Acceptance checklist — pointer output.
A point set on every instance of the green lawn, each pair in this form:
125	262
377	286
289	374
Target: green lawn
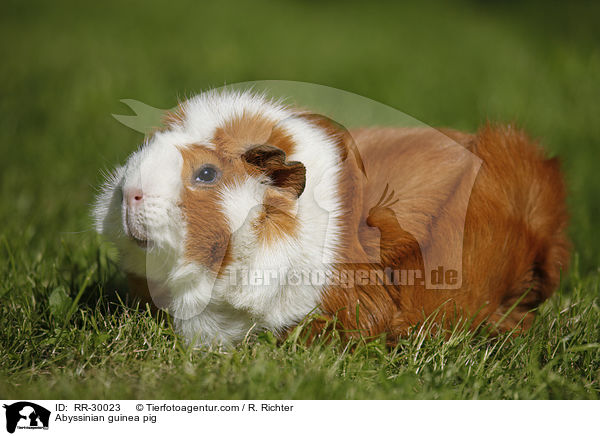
64	332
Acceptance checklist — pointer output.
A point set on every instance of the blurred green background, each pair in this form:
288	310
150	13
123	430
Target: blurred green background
65	66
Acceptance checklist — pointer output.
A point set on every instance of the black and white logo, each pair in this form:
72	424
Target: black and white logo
26	415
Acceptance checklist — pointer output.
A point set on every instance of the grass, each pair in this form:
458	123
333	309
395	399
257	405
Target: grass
64	330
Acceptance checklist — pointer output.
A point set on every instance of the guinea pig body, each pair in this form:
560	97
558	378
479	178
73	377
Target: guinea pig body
244	214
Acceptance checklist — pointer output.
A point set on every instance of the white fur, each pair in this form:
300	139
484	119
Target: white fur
222	311
155	169
240	200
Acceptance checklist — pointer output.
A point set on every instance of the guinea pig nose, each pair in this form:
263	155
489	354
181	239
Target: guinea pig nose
133	196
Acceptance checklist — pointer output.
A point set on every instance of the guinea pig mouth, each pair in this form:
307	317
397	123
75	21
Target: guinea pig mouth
142	243
137	236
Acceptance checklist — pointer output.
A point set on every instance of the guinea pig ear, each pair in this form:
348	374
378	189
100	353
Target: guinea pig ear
271	161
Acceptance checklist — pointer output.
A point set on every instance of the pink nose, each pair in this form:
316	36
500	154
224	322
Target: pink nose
133	197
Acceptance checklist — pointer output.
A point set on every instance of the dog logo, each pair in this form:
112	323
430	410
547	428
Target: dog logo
26	415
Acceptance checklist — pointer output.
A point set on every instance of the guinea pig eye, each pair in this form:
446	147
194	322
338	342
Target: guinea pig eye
206	174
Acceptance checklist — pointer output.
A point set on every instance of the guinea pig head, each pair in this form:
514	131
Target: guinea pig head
173	207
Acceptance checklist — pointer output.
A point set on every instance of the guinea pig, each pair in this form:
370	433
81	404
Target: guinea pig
242	214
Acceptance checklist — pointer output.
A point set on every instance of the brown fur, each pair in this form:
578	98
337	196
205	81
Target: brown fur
246	130
208	234
278	218
514	245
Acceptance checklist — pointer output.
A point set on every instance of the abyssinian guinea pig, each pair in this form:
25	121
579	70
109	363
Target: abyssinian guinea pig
243	214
